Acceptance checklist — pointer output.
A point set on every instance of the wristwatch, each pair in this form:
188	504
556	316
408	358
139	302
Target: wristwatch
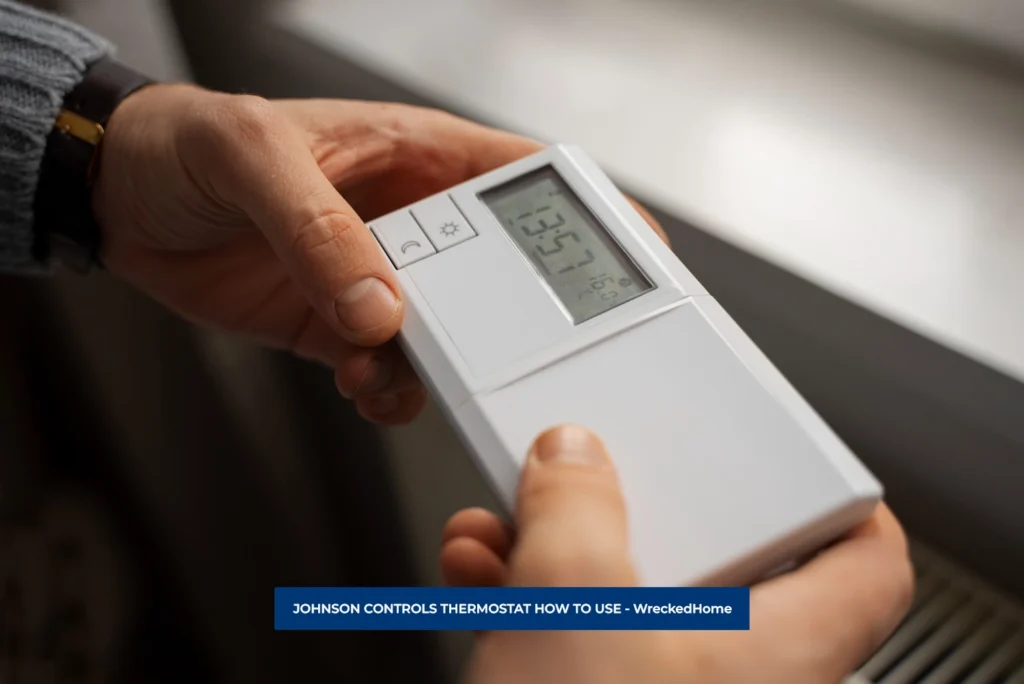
64	225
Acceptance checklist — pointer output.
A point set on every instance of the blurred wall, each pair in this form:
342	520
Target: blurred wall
142	31
997	24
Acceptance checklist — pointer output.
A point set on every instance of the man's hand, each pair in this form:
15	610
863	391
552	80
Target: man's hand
248	215
814	626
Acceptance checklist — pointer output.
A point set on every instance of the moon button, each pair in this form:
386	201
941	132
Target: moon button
401	238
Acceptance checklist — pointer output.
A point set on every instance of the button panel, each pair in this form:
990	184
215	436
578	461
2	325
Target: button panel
402	239
443	223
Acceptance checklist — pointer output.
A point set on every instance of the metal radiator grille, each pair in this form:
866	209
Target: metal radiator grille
958	631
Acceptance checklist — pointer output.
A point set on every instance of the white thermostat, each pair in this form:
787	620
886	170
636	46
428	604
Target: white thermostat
536	295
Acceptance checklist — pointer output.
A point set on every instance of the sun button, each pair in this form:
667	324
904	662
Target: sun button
442	222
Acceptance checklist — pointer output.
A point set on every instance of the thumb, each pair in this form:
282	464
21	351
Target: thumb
570	515
270	172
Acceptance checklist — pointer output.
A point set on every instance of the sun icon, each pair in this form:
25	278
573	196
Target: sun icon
449	229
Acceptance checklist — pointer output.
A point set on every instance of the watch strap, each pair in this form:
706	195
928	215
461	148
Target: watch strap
65	226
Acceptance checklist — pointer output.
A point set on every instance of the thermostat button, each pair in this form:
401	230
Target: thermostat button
402	239
443	223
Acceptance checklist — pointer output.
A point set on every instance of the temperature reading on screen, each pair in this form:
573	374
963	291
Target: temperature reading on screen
574	254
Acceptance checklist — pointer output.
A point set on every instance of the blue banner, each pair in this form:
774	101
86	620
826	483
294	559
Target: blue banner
513	608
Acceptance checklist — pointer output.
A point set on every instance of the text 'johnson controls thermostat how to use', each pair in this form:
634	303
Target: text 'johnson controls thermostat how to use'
536	295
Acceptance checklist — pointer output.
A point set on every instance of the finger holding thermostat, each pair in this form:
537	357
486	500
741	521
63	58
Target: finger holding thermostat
816	624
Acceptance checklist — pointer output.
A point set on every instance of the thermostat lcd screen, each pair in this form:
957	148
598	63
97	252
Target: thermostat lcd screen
574	254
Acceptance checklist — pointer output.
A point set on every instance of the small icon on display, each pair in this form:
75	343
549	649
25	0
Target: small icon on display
625	282
409	245
449	229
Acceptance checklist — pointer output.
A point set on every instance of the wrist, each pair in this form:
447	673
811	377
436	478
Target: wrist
138	169
65	227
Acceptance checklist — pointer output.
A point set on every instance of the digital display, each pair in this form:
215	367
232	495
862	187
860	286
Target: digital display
570	249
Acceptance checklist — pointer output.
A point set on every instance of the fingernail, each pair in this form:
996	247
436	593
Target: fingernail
570	444
367	305
377	376
385	403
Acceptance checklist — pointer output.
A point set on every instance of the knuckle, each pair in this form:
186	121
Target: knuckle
253	115
322	232
561	563
231	122
411	119
403	125
559	486
539	492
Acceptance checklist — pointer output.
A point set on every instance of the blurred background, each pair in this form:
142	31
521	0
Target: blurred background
844	175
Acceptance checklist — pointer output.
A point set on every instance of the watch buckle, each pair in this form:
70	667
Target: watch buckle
79	127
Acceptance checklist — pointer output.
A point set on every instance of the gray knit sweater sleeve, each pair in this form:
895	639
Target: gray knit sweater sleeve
42	58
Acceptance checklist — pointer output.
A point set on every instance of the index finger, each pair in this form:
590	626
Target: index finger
437	150
842	605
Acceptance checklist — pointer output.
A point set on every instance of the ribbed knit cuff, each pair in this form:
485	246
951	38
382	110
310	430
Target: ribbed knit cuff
42	58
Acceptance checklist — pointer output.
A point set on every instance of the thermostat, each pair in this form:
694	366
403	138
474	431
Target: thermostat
536	295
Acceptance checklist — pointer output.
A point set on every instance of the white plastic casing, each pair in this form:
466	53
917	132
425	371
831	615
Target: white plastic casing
728	473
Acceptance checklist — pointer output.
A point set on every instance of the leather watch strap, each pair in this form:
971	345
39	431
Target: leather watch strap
64	221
